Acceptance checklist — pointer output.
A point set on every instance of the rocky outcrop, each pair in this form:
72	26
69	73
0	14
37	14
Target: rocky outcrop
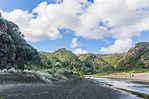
14	50
7	47
137	57
133	52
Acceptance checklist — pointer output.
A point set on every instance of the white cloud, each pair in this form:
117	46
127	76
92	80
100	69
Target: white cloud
125	18
45	20
118	46
34	29
80	51
74	43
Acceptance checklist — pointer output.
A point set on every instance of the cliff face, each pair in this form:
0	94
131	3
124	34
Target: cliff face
14	50
7	47
137	57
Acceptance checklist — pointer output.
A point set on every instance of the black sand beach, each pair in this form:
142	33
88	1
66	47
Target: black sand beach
21	88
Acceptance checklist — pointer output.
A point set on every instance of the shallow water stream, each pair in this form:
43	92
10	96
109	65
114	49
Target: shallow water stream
139	89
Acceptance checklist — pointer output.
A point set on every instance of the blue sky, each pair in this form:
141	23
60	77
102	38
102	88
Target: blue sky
79	25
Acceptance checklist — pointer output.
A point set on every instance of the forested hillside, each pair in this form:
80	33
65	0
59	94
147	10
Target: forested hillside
137	58
63	58
14	50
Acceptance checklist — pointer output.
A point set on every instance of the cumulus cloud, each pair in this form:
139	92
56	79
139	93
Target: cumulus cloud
45	21
119	19
127	18
118	46
80	51
34	29
74	43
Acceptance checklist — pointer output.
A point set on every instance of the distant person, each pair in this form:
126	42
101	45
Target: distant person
88	77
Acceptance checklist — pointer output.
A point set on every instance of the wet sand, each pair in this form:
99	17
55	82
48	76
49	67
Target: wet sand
136	78
72	89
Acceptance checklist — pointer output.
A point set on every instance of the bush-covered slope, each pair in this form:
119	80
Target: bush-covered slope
136	58
14	50
63	58
96	62
112	59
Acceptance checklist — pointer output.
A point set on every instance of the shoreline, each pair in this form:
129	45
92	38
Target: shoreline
129	85
136	78
133	80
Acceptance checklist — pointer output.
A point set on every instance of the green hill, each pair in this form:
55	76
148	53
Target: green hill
96	62
63	58
112	59
136	58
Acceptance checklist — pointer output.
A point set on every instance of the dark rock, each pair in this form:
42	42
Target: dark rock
137	57
14	51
